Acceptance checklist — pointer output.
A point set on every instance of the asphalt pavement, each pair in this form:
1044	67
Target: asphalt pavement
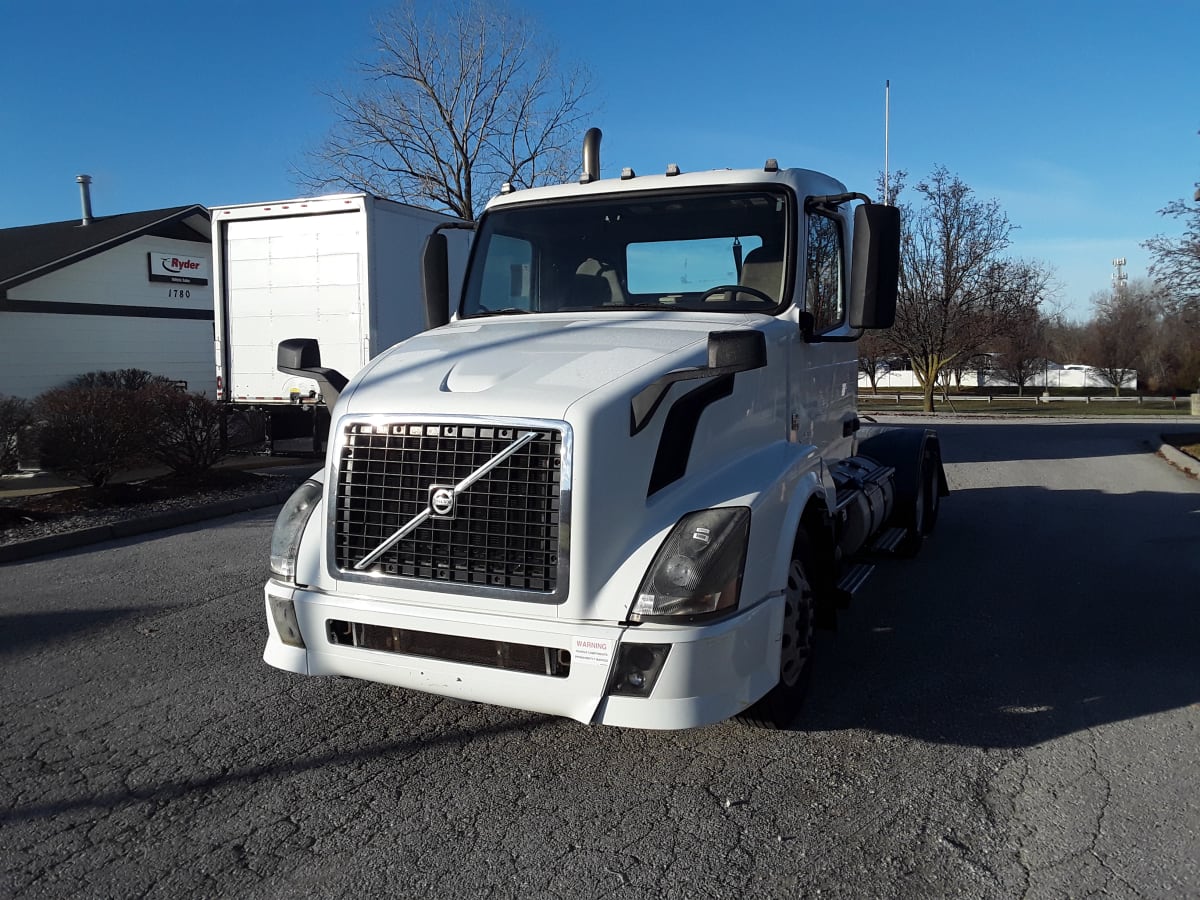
1012	713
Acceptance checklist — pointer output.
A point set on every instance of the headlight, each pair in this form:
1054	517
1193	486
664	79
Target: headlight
289	528
698	569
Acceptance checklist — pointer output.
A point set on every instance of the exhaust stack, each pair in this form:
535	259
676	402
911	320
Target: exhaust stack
591	156
85	197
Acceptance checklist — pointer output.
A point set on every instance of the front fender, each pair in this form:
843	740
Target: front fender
804	479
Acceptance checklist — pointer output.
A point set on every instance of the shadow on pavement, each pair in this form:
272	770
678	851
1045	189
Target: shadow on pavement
996	637
1079	439
29	631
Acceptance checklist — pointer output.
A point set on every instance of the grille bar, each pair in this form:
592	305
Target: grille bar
503	531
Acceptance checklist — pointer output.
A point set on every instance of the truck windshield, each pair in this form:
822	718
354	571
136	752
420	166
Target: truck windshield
710	251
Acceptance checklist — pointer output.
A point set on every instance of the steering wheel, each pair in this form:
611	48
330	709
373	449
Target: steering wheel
739	289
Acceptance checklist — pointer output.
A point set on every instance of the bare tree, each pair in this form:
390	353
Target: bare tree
454	104
1119	334
1176	265
873	353
1020	350
1178	345
1065	339
957	291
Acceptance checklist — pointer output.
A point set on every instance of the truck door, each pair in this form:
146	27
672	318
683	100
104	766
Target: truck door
824	374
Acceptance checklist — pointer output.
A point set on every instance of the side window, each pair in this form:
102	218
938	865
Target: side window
507	280
825	286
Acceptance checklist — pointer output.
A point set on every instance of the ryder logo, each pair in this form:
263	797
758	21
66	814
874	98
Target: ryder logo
176	266
176	269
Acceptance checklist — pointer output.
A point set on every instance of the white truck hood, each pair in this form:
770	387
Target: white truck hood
537	365
583	369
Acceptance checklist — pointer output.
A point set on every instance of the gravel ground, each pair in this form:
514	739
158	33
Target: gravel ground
44	515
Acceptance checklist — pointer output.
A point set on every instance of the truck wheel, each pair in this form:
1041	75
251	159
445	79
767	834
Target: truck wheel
926	504
780	706
933	497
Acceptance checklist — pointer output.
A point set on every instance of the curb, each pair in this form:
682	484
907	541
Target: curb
1177	458
56	543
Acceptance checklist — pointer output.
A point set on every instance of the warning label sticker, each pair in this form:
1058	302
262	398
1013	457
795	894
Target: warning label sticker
592	652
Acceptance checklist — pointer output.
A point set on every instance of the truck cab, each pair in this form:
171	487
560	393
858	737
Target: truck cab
628	479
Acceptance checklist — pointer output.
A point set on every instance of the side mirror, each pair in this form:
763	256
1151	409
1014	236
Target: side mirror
435	280
876	272
302	356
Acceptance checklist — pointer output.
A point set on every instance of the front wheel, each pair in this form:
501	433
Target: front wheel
780	706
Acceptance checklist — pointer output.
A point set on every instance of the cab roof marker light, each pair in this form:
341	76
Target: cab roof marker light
627	173
672	169
771	165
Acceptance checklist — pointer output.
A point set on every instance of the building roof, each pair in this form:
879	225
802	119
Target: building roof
31	251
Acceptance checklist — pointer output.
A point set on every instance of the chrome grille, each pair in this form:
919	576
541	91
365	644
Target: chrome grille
504	530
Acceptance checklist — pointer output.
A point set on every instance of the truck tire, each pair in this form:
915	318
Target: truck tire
933	491
926	504
779	707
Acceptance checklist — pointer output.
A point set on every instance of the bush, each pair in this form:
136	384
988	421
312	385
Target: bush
15	414
118	379
187	430
105	422
89	433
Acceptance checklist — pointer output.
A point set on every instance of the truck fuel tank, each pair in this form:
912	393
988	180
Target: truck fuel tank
865	501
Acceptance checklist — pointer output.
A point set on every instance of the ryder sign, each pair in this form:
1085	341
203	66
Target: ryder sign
176	269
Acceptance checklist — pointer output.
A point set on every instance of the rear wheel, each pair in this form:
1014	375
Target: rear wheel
933	497
926	503
780	706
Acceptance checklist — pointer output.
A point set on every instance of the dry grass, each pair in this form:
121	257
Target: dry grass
1188	443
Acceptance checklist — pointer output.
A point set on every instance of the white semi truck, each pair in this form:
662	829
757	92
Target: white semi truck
344	268
628	479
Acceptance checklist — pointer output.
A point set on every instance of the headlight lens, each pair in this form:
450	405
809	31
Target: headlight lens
289	528
698	569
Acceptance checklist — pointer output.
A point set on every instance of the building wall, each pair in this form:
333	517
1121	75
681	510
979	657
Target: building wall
165	328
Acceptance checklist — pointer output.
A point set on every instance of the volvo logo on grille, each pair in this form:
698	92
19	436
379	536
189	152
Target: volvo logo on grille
441	501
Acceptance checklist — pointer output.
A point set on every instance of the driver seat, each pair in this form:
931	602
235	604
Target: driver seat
763	271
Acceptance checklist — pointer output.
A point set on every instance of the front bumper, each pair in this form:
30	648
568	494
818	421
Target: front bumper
712	672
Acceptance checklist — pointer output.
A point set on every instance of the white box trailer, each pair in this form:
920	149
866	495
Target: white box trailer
344	268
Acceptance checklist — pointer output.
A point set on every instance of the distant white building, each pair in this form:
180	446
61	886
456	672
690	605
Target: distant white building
1071	375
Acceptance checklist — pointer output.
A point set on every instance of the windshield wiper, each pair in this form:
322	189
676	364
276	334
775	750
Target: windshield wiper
506	311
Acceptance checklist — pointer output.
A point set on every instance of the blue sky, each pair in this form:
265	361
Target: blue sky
1080	118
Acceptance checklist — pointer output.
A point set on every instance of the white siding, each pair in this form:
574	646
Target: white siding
120	275
39	351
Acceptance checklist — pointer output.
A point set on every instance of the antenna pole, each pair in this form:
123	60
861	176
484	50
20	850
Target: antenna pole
887	115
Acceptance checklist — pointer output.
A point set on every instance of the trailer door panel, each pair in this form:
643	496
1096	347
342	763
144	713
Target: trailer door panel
294	277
